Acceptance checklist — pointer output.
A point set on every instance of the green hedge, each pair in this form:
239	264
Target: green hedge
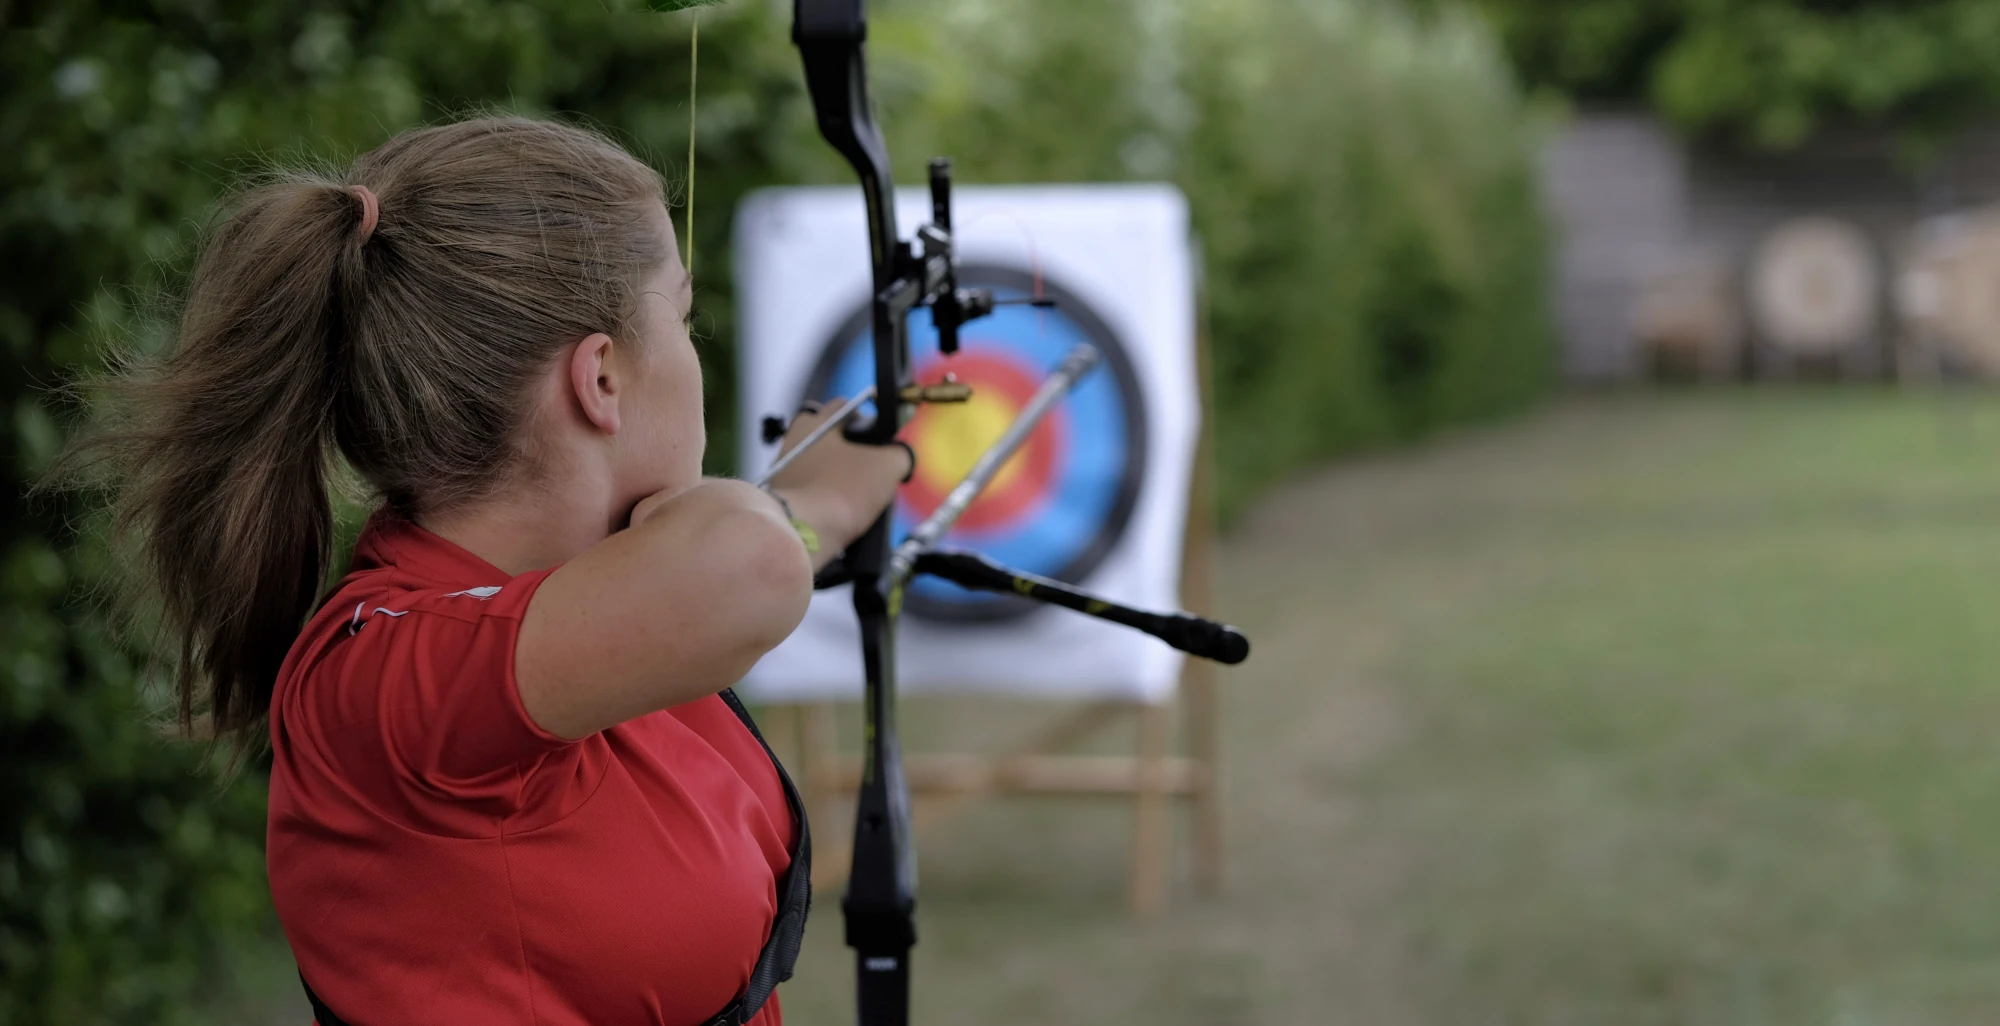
1774	73
1360	181
1378	259
123	869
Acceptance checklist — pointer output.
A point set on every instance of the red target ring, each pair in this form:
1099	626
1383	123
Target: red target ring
948	438
1061	505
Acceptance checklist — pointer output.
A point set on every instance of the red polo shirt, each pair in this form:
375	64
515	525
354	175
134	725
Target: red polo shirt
436	857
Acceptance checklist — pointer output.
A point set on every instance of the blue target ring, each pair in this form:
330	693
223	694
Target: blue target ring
1063	503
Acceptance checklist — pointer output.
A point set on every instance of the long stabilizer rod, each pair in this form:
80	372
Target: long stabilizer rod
1191	634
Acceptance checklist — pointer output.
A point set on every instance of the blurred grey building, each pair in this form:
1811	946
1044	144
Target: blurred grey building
1634	206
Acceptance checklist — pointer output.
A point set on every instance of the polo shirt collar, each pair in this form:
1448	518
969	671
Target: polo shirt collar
390	540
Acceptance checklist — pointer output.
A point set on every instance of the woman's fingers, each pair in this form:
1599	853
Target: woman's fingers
801	426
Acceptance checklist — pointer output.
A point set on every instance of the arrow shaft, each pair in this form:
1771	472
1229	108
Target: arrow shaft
926	535
838	417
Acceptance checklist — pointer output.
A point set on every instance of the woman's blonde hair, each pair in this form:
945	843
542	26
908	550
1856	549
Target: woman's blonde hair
410	349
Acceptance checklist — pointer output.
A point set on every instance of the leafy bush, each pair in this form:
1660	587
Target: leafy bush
1377	258
1770	73
1360	182
122	868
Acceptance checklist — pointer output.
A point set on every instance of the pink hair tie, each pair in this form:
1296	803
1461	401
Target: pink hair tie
369	210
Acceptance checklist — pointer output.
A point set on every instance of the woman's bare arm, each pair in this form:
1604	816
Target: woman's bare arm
685	600
678	606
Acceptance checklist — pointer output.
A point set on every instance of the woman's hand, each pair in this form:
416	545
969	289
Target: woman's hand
839	487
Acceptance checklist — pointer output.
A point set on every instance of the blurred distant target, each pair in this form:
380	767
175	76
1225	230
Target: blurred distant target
1815	288
1950	288
1064	501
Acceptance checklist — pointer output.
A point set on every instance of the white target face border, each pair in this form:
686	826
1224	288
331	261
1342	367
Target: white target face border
1125	250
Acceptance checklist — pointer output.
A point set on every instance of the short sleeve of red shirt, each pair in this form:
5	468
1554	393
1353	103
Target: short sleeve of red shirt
436	856
434	670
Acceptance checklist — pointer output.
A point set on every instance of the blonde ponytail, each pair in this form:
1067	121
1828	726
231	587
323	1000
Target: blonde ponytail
398	319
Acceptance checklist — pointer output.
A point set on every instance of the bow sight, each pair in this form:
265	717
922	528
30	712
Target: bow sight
880	903
830	35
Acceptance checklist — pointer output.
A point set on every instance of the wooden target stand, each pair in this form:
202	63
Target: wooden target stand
1153	778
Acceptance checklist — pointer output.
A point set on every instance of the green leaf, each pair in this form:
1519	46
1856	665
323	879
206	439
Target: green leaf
1769	73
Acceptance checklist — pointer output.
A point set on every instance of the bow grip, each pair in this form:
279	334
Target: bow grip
860	429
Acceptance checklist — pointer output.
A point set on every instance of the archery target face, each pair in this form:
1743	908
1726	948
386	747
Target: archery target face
1100	496
1066	496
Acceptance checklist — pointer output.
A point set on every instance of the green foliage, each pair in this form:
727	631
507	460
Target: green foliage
1360	182
122	867
1770	72
115	849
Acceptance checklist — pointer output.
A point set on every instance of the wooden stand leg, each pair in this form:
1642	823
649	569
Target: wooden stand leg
1200	711
1200	726
1149	819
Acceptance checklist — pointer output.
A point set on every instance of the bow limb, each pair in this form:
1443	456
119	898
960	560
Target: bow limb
880	904
831	37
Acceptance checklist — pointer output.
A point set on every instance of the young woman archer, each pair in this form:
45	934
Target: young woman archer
504	788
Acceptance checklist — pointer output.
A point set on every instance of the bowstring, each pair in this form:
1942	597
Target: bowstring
694	63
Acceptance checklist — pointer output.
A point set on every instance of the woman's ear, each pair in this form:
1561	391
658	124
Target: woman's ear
594	381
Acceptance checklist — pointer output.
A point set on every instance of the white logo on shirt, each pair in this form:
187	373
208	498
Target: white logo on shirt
354	625
482	594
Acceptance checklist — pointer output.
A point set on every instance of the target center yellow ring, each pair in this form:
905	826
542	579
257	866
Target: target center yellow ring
953	437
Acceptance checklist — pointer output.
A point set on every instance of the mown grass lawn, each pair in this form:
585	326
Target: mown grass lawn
1666	709
1714	733
1651	709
